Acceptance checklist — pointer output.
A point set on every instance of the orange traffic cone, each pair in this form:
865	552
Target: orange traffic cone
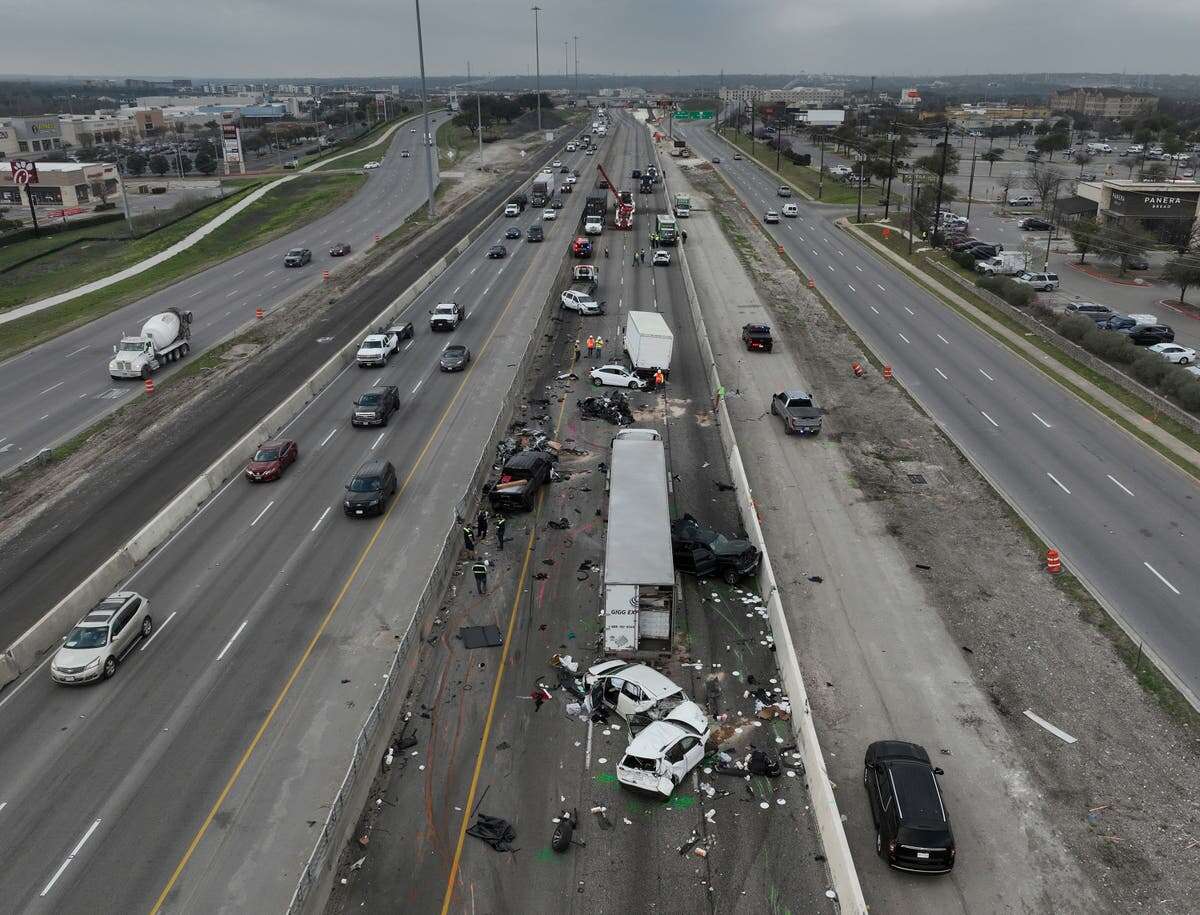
1053	562
149	385
258	313
857	369
887	372
812	283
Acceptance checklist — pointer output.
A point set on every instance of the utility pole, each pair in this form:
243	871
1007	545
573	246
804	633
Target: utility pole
478	116
861	164
576	37
887	197
425	114
971	183
537	57
752	129
937	210
912	204
1050	231
821	170
566	62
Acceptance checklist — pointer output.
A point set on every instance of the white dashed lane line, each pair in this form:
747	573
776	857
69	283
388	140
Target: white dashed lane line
940	372
943	339
1040	420
261	513
322	518
1158	575
852	289
986	375
910	311
901	336
989	419
1119	483
325	441
1058	483
874	309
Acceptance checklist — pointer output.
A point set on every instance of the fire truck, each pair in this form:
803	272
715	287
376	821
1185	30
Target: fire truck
623	217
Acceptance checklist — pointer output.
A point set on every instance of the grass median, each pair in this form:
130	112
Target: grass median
803	177
296	203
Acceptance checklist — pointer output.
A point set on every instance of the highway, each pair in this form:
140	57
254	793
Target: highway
196	773
52	391
1122	517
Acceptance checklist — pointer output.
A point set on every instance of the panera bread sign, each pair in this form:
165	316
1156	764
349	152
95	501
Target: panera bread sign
1127	203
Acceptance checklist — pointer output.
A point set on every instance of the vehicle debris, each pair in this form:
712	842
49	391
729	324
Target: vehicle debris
564	832
613	407
480	636
495	831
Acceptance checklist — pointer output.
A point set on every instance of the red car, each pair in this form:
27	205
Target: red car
581	247
271	460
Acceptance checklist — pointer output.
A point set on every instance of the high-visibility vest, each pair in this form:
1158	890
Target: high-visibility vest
591	342
480	568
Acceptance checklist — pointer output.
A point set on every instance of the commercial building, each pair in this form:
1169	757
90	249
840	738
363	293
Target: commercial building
66	185
34	135
260	115
796	97
909	98
83	130
1103	102
1157	207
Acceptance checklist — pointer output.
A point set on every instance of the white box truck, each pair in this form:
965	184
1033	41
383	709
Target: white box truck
1006	263
648	342
164	338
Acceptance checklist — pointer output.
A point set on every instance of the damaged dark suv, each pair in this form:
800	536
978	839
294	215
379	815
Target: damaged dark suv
704	552
522	476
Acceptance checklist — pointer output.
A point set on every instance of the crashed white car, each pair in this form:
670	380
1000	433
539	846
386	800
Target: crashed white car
632	690
665	751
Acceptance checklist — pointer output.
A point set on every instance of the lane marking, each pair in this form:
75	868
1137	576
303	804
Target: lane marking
419	383
880	285
943	339
940	372
852	289
229	644
261	513
230	295
157	630
325	441
196	293
1042	421
456	288
1119	483
236	275
902	337
76	351
830	266
71	857
986	375
51	388
910	311
322	518
1057	732
858	268
41	418
990	420
378	440
408	345
1158	575
1059	482
814	251
874	309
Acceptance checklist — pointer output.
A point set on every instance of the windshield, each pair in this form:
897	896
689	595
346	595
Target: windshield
372	344
87	637
445	309
295	252
131	346
267	454
369	400
455	351
364	484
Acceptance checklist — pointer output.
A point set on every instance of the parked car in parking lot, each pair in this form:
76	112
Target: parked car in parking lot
1043	282
1173	352
1149	334
912	829
101	640
1022	200
1093	310
1034	224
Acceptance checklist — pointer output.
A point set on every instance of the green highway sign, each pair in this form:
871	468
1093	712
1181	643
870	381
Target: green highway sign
693	115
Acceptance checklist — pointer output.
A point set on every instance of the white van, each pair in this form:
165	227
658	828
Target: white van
1097	149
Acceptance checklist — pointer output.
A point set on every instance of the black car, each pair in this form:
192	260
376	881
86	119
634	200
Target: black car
1034	224
497	251
646	187
556	204
982	251
341	249
368	491
534	233
1136	262
636	173
564	171
912	830
512	232
454	358
297	257
758	337
376	406
1149	334
403	331
703	552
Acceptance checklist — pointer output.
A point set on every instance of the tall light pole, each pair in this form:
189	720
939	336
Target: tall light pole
566	62
425	113
537	58
478	116
576	37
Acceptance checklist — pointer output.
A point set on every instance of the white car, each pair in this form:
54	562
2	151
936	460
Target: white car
577	300
790	210
661	259
557	163
549	214
593	226
771	217
616	376
1022	200
633	691
1043	282
404	154
664	752
367	166
571	147
1173	352
512	210
377	349
102	639
570	179
591	151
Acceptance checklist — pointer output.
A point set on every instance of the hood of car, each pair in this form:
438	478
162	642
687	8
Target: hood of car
454	359
363	498
262	466
78	657
691	716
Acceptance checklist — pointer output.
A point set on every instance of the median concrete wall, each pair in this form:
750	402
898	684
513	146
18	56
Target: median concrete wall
842	872
45	634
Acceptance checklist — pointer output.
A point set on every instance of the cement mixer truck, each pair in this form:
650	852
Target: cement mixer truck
164	338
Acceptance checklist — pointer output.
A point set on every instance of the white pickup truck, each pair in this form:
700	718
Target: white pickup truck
377	349
447	316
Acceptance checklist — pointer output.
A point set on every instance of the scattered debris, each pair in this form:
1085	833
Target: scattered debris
480	636
725	487
560	525
613	407
815	579
495	831
564	832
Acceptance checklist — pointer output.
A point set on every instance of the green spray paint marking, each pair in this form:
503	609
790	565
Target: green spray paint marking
606	777
545	854
682	801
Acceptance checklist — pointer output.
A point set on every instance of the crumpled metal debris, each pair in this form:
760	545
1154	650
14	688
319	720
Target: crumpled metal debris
613	407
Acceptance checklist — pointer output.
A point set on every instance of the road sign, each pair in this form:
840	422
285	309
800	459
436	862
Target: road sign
23	172
693	115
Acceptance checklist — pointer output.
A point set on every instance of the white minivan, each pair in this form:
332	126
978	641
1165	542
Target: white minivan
791	210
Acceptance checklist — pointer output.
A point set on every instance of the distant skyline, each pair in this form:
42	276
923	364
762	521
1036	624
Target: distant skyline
273	39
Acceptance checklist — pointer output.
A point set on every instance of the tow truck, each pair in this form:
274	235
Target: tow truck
623	218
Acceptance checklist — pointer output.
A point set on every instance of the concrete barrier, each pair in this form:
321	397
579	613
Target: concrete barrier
46	633
842	872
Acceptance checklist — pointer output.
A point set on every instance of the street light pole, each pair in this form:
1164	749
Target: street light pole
887	197
937	210
576	37
971	183
425	113
537	57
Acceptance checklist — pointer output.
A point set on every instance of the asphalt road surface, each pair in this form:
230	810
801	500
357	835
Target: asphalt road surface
1122	517
54	390
221	739
761	842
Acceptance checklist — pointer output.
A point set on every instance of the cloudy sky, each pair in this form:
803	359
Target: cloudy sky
285	38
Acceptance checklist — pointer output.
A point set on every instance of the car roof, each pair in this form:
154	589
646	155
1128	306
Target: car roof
899	749
372	468
796	393
655	685
380	389
275	443
652	740
527	460
453	346
918	797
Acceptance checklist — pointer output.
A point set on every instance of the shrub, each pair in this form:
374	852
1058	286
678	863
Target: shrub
1017	294
963	259
1175	381
1189	395
1111	346
1150	369
1046	313
993	284
1075	327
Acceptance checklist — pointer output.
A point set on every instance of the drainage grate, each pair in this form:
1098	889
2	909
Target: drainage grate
917	478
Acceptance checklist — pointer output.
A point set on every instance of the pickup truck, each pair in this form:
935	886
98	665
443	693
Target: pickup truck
377	349
800	416
704	552
520	479
757	336
447	316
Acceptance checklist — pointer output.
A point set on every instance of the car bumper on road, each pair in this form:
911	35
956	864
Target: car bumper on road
76	679
361	511
366	421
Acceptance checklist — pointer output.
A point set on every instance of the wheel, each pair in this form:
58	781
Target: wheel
633	384
187	348
596	382
110	667
1184	360
774	412
730	576
147	627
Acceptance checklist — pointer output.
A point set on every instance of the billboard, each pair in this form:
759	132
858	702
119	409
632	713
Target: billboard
1159	204
231	146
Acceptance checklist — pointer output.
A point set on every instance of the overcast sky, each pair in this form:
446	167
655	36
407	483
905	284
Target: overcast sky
327	38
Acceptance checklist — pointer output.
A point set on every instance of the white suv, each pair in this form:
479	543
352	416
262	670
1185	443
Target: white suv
512	210
102	639
1043	282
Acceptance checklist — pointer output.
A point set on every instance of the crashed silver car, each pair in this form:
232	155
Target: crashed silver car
633	691
665	751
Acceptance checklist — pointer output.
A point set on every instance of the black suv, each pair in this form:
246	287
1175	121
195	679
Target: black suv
704	552
912	830
535	233
375	407
368	491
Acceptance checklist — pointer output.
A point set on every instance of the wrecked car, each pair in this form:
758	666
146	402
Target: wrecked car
664	752
614	408
703	552
520	479
634	691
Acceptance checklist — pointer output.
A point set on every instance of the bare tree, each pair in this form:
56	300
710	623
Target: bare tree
1008	183
1082	158
1045	179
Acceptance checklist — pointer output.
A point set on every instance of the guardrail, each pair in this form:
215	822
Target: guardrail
838	858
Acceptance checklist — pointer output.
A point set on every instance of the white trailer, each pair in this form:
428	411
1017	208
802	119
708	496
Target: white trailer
648	342
164	338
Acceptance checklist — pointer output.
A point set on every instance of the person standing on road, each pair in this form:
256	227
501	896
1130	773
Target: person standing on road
658	378
606	250
683	235
591	345
481	525
468	539
599	347
480	570
501	523
635	258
